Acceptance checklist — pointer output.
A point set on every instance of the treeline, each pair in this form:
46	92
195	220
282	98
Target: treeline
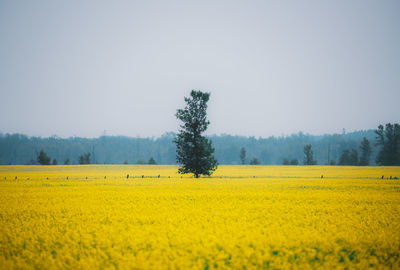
387	141
290	150
21	149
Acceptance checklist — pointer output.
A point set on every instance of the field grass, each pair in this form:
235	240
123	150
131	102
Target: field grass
243	217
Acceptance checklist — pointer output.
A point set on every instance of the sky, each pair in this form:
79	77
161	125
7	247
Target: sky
273	68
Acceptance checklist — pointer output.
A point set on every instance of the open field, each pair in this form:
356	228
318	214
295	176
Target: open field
254	217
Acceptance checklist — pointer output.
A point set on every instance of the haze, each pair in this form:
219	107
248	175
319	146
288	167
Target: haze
82	68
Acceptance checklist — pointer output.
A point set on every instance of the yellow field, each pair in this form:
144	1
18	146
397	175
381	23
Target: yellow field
253	217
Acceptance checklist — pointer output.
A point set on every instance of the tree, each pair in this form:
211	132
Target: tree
243	155
309	155
84	158
54	161
353	158
344	157
389	140
285	161
66	161
294	162
152	161
193	151
140	162
365	152
254	161
43	158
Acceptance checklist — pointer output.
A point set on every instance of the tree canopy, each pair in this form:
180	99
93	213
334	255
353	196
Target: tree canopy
193	151
152	161
388	139
345	158
84	158
243	155
21	149
309	155
43	158
366	151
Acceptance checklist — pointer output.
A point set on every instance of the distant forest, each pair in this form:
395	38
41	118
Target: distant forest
21	149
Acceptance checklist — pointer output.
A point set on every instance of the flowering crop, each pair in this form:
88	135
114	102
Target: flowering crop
149	217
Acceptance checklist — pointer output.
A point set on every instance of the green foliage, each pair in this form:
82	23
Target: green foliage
345	158
43	158
54	161
294	161
193	151
254	161
366	151
388	139
285	161
67	161
20	149
243	155
84	158
349	158
140	162
152	161
353	158
309	155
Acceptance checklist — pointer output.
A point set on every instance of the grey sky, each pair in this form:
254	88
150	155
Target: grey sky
272	67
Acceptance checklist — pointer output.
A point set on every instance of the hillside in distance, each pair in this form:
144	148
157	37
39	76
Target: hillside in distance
22	149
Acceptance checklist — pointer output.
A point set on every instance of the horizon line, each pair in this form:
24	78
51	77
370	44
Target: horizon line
167	133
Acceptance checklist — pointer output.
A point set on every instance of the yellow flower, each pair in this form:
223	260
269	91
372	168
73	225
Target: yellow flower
243	216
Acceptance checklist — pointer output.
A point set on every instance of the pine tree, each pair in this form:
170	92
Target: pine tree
285	161
193	151
254	161
389	140
366	150
43	158
243	155
309	155
152	161
353	157
345	158
84	158
67	161
294	162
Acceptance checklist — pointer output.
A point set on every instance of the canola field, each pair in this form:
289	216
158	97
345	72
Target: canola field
243	217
